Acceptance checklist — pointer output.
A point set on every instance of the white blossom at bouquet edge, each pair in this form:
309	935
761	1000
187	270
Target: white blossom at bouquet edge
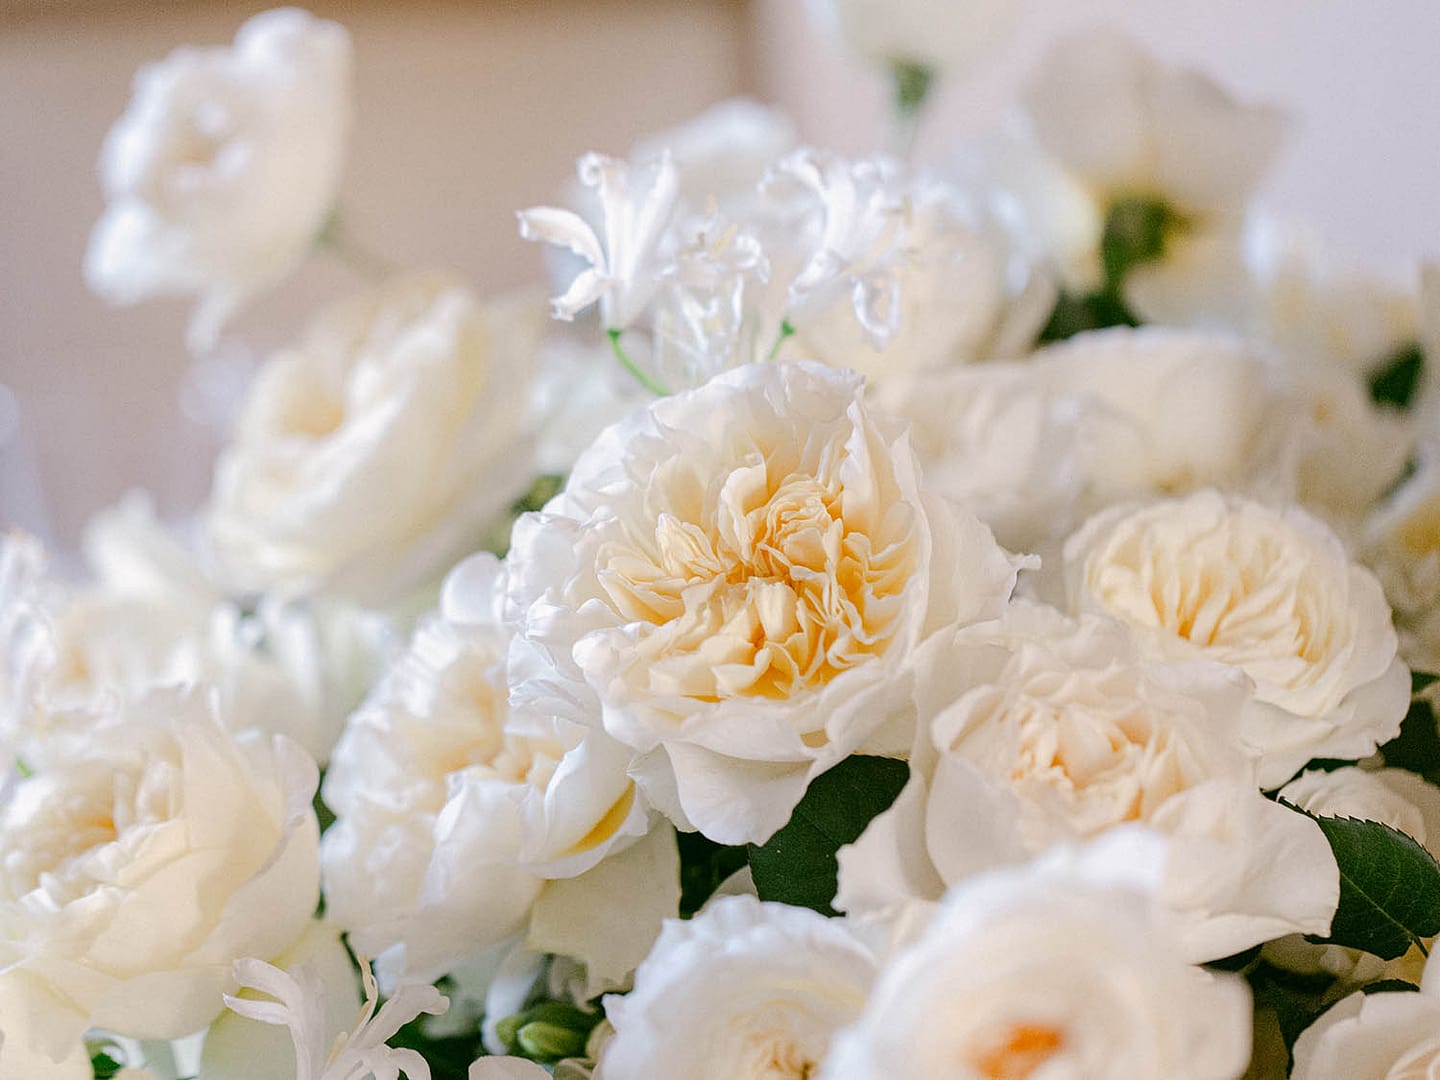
461	823
371	454
1037	730
947	37
745	989
299	1004
224	168
625	268
144	854
1387	1035
1274	595
1065	965
1402	544
735	581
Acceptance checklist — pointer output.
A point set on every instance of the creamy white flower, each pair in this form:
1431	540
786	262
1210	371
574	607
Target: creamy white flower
1060	968
734	582
1000	440
947	37
142	857
743	990
1402	543
455	815
1381	1036
299	1003
1038	730
1168	411
1270	592
637	205
372	453
721	154
224	167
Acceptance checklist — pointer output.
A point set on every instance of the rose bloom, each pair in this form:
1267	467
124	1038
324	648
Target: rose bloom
735	582
1063	967
1270	592
744	990
1381	1036
375	451
1402	543
1038	730
223	169
142	856
461	823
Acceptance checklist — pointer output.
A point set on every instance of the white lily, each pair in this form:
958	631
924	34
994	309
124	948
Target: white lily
625	269
299	1004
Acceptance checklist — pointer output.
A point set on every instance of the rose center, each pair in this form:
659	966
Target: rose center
1018	1052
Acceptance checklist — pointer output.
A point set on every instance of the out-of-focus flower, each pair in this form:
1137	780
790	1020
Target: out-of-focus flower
1379	1036
223	170
947	37
1402	543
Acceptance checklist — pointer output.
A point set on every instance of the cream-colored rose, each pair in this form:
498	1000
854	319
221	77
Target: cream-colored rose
221	173
1271	593
460	823
372	454
1402	543
141	857
1039	730
1063	968
744	991
1382	1036
735	583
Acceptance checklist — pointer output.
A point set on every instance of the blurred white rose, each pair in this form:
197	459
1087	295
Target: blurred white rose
374	452
948	37
142	856
1063	967
1270	592
1038	730
1402	544
744	991
1381	1036
735	582
223	170
457	818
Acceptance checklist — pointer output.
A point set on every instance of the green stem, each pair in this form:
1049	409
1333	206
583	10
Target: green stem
912	84
630	365
786	331
338	241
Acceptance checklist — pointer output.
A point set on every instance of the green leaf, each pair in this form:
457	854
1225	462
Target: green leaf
1389	887
1137	231
1417	747
449	1057
1074	314
104	1066
1390	986
1395	380
1420	681
797	865
704	865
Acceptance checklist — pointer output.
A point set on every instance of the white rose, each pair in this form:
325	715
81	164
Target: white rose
373	452
224	167
1039	730
945	36
456	817
1063	967
735	582
142	857
743	990
1269	592
999	440
1169	410
1382	1036
1402	543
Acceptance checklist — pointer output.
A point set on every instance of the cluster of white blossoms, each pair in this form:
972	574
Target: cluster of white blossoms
968	622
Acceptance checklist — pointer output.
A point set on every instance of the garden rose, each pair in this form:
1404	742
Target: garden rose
734	582
142	856
223	169
1270	592
1380	1036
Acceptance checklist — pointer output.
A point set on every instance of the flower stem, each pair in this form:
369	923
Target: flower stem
336	239
786	331
630	365
912	84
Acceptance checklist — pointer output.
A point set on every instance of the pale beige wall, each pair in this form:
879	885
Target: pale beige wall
465	112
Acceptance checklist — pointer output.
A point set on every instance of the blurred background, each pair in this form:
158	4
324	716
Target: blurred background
467	111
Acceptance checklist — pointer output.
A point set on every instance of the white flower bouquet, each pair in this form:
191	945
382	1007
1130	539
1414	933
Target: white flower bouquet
969	623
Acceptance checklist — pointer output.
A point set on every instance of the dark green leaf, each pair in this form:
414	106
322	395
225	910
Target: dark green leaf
1091	311
704	864
1390	986
1417	747
1420	681
104	1065
1239	962
797	865
449	1057
1395	379
1389	887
